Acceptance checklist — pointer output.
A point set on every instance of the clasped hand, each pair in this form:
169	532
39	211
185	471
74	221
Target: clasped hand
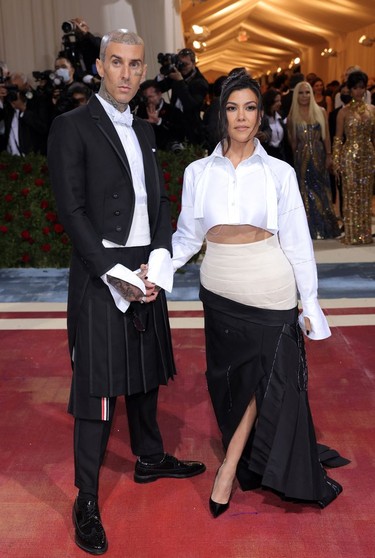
130	292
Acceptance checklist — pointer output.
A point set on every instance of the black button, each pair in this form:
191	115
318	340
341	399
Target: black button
115	195
118	228
117	213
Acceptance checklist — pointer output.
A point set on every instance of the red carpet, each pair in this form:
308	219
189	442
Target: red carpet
170	518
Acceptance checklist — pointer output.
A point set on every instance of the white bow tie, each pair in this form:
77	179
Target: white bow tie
123	118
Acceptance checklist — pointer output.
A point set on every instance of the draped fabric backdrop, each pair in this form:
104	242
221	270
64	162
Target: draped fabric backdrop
30	30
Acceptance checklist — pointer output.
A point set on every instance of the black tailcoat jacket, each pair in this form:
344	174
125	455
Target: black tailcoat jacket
92	183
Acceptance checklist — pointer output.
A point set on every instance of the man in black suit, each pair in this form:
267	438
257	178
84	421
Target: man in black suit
189	89
111	201
25	115
167	121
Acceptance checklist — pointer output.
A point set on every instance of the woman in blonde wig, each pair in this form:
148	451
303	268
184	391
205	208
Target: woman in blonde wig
310	141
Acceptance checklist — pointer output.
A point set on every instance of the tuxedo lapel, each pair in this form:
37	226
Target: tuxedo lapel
106	127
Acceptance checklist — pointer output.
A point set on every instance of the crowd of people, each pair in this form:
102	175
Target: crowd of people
302	123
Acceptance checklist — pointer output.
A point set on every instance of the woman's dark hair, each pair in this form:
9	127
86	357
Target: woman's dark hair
268	99
357	78
235	82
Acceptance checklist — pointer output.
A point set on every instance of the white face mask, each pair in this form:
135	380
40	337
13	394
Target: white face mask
64	74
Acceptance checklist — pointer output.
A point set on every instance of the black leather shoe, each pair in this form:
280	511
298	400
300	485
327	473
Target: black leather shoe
334	489
169	467
90	534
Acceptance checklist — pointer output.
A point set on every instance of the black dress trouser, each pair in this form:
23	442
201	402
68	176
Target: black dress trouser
91	437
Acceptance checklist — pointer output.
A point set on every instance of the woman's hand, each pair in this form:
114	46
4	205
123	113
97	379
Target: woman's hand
307	325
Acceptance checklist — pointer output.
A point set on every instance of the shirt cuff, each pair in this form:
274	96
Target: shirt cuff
319	324
121	272
160	269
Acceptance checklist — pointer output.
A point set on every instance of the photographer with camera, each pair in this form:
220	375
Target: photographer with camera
81	46
189	89
25	114
167	121
63	78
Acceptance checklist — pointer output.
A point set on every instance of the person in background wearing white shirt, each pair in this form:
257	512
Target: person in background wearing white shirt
111	200
259	255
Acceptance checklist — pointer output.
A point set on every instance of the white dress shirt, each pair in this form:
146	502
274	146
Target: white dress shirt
262	191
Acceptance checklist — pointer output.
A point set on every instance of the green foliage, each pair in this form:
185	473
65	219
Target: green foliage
30	232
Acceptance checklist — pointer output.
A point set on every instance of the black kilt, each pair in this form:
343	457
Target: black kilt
110	357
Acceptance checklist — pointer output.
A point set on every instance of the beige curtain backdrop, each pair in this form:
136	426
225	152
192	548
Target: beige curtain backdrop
30	30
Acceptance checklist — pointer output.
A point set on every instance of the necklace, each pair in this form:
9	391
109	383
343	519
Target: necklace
357	106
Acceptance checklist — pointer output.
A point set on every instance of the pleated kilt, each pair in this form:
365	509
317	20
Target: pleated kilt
260	352
110	357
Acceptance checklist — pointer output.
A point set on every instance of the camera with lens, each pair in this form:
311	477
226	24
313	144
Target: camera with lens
42	76
12	90
69	26
169	63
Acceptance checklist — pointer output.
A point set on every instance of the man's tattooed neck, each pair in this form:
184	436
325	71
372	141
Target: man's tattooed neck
107	97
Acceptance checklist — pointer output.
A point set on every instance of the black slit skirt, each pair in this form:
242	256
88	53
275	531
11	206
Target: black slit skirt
260	352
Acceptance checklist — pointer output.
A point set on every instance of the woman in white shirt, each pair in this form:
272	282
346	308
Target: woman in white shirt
248	208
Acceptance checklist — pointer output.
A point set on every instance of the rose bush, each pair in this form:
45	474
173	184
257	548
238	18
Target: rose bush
30	232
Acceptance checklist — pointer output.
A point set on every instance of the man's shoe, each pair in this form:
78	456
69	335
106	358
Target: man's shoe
169	467
90	534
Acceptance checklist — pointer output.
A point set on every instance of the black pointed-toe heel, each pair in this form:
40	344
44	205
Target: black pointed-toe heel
217	509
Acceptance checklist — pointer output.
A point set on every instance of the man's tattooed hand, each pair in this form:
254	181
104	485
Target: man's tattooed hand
129	292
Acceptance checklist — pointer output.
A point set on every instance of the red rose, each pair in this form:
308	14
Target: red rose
166	186
173	198
25	192
174	223
3	229
25	258
3	166
8	217
52	217
167	176
46	247
14	175
44	204
27	214
27	168
25	235
39	182
65	239
180	180
8	197
164	164
58	228
46	230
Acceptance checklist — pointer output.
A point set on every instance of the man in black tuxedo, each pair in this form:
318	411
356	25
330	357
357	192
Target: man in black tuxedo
111	201
167	121
26	117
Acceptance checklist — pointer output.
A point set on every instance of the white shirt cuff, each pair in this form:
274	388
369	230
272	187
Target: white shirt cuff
160	269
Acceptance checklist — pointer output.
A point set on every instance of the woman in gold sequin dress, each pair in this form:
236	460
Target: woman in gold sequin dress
354	160
309	137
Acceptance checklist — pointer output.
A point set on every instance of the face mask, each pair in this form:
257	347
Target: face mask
345	98
63	73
